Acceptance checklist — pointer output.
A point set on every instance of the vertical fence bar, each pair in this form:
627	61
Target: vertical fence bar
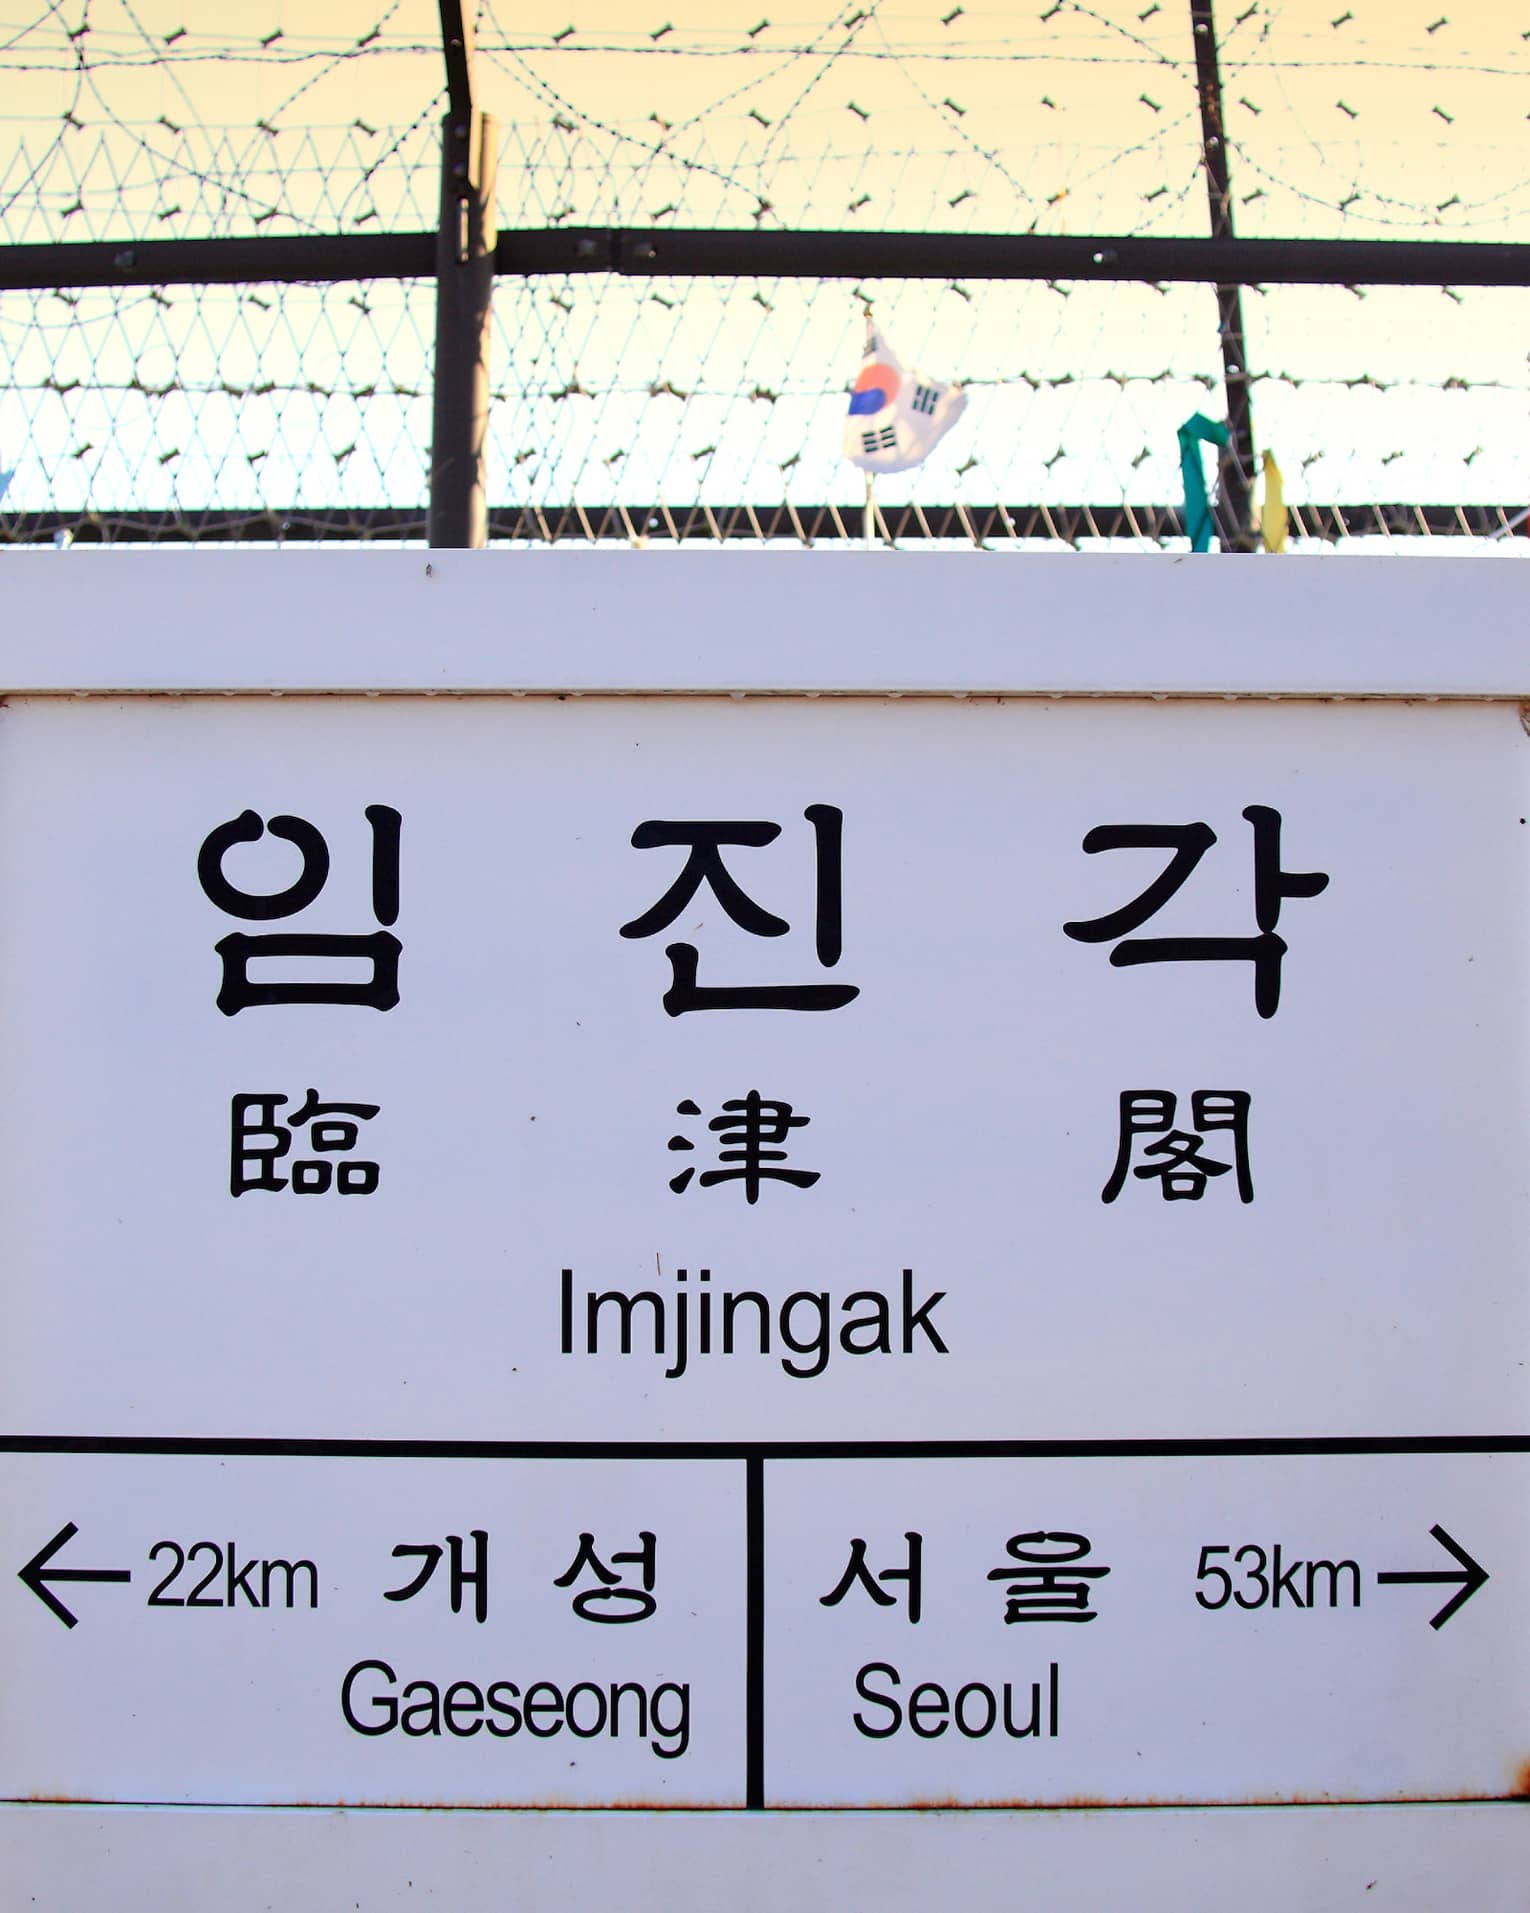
465	239
1234	510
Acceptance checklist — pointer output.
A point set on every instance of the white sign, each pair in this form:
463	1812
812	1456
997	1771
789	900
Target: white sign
764	1252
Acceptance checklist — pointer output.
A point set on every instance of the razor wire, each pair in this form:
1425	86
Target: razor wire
164	405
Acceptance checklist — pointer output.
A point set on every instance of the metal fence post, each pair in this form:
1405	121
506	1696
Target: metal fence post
465	240
1235	512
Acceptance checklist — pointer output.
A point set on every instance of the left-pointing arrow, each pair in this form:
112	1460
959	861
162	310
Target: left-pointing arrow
34	1577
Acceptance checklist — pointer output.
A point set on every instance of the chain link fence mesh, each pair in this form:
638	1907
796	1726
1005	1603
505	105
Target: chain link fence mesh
673	400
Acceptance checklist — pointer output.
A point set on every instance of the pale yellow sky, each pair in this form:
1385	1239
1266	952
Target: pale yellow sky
1356	118
1081	118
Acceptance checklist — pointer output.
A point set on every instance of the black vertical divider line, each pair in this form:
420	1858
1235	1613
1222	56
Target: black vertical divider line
754	1625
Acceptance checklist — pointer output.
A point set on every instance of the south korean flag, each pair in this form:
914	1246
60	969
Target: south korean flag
896	418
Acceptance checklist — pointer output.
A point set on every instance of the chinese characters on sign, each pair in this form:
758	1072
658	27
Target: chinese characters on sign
1176	1164
751	1130
256	1146
747	1129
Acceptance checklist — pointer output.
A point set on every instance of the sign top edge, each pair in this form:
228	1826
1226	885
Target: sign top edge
762	623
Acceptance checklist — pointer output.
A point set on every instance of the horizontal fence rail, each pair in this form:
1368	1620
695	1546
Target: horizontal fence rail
332	259
146	412
978	525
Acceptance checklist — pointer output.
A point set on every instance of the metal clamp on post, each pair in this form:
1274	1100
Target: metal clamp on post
464	156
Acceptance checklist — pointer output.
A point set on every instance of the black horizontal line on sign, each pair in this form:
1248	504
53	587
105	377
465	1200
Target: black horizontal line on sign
1151	1448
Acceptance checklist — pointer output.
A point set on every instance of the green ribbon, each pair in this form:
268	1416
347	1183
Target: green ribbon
1196	429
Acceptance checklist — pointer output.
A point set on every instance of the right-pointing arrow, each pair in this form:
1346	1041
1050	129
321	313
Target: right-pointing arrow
1471	1576
36	1574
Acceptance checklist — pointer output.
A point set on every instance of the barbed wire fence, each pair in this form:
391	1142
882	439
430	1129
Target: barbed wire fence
219	279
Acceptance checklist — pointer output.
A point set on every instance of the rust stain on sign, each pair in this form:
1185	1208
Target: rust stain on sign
1099	1803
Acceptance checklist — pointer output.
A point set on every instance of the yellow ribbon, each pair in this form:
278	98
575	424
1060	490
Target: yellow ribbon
1272	520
